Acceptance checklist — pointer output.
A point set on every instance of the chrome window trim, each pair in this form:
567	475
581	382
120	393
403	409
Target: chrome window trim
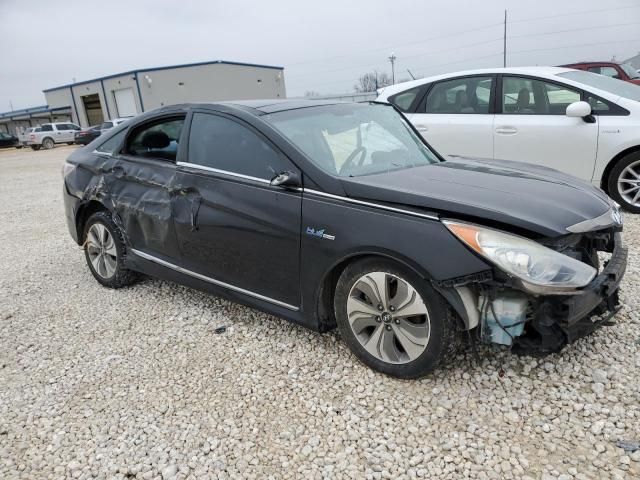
370	204
223	172
96	152
199	276
607	219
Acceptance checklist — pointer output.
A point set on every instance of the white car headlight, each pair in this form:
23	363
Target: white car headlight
540	269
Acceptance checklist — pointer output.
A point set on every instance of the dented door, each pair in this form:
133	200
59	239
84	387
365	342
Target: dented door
142	191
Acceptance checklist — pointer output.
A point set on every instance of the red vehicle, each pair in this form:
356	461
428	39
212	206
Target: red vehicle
621	71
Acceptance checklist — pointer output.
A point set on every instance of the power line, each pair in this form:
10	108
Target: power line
416	42
574	30
533	19
368	65
576	45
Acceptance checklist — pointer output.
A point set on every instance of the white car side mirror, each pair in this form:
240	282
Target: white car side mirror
579	109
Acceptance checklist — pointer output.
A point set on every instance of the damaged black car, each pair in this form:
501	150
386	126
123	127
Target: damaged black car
340	215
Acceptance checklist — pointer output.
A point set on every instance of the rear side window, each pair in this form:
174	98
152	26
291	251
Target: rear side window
110	146
158	140
404	100
221	143
461	96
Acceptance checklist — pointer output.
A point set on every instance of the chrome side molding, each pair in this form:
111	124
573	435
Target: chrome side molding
370	204
607	219
204	278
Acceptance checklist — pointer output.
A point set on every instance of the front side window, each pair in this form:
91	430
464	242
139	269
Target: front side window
462	95
351	140
223	144
606	71
111	146
46	128
404	100
526	96
158	140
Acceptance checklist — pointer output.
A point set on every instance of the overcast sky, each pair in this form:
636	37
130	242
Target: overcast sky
324	48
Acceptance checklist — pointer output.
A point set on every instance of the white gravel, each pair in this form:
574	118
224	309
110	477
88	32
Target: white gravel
134	383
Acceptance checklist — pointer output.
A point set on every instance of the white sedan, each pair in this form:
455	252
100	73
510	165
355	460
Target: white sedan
581	123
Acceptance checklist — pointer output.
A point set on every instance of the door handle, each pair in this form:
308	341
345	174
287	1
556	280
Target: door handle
422	127
506	130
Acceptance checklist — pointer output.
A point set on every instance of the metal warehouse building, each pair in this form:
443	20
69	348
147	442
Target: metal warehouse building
125	94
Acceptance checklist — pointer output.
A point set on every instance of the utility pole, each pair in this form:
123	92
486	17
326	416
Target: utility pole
392	59
11	105
504	47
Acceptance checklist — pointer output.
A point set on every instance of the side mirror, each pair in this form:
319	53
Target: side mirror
286	179
579	109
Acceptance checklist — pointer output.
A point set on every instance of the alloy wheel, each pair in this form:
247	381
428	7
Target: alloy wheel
629	184
102	251
47	144
388	317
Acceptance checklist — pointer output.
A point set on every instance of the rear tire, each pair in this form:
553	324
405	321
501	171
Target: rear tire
48	143
624	182
105	251
35	147
372	323
70	143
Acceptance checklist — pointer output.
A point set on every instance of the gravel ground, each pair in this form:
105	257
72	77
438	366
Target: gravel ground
135	383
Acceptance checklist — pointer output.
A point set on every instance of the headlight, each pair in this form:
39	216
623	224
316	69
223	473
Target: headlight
540	269
67	168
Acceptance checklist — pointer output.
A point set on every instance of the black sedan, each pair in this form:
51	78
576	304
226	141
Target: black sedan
87	135
8	140
332	214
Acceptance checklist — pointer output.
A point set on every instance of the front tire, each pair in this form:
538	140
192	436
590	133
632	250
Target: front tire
624	182
392	319
105	251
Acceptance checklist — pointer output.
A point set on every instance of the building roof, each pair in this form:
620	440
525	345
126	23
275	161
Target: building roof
168	67
30	111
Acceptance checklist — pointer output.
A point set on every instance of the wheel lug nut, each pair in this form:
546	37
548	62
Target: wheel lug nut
380	307
397	321
378	319
392	308
388	327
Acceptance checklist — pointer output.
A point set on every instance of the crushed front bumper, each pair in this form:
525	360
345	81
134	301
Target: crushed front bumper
556	321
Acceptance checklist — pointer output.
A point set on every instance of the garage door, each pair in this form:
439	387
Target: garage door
125	102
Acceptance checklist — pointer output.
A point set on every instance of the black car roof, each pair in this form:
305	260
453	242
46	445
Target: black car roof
263	107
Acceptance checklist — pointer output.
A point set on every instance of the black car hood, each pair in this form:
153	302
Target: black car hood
538	199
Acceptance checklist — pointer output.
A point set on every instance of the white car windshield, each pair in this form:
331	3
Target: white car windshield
351	140
611	85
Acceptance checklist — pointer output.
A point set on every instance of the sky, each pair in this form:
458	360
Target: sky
323	46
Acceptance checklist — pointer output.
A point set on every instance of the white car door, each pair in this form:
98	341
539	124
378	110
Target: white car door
456	117
61	133
532	126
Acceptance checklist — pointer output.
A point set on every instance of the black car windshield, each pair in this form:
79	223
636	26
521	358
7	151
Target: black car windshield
608	84
354	139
